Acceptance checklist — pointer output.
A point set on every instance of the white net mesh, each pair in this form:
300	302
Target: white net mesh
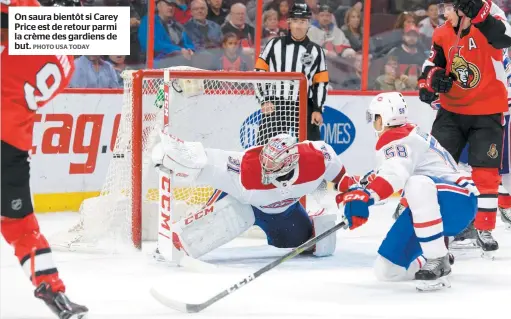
223	114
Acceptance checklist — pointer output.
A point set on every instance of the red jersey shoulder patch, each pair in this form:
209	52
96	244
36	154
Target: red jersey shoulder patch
311	163
394	134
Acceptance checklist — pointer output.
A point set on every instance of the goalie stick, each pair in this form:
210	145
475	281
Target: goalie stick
194	308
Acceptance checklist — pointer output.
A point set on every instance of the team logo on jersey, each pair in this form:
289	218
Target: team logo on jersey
467	74
16	204
307	59
492	152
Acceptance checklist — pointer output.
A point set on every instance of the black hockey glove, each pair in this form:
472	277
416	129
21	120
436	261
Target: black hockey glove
427	96
476	10
438	81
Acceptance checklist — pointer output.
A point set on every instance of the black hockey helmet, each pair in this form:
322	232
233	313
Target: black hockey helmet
300	11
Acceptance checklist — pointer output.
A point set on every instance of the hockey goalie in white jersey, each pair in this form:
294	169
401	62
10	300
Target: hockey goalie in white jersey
261	186
441	200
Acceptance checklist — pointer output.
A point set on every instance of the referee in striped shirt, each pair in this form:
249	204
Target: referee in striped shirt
279	100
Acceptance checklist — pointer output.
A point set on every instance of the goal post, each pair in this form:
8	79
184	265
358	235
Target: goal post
218	108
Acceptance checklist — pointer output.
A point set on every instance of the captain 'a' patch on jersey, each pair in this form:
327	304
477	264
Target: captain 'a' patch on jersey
481	82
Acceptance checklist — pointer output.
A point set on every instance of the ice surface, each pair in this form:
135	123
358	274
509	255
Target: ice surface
342	286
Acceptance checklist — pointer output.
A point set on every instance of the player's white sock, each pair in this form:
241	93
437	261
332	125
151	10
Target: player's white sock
422	197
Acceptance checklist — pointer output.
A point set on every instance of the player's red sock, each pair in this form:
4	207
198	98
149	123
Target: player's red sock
487	181
32	250
504	201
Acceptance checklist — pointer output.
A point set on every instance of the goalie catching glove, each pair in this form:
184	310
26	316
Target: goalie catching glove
184	159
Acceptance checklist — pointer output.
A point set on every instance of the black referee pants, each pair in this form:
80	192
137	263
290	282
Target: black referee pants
285	119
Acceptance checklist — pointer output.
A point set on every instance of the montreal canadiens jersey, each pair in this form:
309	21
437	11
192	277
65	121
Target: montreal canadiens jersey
407	151
239	175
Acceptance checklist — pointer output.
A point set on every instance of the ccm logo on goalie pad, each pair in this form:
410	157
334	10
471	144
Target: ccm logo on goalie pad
190	219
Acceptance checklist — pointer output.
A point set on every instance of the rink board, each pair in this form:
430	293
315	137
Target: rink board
74	136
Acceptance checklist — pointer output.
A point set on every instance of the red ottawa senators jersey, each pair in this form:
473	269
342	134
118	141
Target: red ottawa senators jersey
28	83
480	87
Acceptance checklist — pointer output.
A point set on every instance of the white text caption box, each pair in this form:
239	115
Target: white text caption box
69	30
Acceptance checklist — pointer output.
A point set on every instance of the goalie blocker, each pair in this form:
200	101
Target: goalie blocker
240	201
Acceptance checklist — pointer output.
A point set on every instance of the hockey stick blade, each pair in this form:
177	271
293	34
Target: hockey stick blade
194	308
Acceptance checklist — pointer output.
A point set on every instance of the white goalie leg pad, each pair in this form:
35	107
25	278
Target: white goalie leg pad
320	224
213	226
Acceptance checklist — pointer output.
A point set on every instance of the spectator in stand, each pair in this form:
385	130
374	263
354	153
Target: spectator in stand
313	5
353	30
428	25
232	57
252	9
354	79
325	33
136	55
236	24
395	37
205	34
92	72
405	19
118	62
182	12
271	26
216	13
410	59
170	38
391	80
283	10
415	6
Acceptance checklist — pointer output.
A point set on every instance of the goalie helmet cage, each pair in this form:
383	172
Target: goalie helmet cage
191	90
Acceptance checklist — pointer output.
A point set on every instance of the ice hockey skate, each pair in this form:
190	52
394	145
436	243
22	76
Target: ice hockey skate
466	239
434	275
505	216
487	243
60	304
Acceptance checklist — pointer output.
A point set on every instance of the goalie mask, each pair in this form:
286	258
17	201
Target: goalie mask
278	157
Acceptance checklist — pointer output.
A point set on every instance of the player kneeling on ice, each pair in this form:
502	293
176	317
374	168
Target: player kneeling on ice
441	200
261	186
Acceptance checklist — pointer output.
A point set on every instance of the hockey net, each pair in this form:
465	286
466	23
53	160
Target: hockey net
220	109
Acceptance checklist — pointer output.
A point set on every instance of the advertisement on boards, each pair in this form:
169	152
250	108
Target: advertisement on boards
75	134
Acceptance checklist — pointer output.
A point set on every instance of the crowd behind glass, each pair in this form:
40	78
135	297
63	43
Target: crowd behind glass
220	35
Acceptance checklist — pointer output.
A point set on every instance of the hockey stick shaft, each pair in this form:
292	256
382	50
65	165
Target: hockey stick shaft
451	55
193	308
